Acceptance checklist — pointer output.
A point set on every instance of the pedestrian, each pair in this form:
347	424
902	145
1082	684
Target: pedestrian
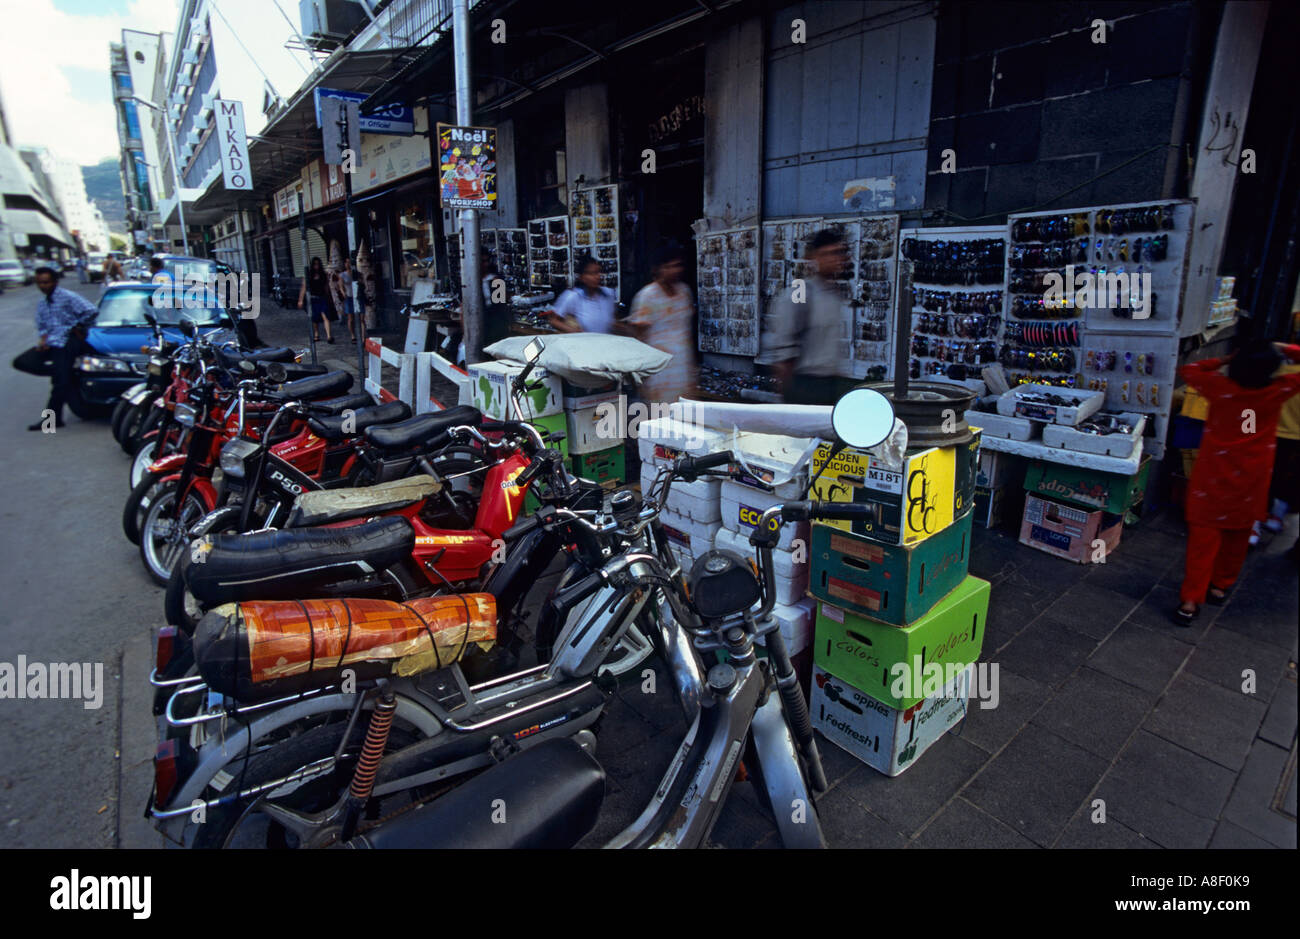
61	321
158	273
321	311
112	269
586	307
496	309
1229	488
341	282
802	339
1285	488
663	316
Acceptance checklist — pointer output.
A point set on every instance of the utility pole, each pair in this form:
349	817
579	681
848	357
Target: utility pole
471	301
359	315
306	277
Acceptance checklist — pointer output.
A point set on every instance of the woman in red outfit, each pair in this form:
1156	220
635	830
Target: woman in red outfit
1229	486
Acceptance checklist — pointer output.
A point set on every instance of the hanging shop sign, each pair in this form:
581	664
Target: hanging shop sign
393	119
233	145
467	161
385	158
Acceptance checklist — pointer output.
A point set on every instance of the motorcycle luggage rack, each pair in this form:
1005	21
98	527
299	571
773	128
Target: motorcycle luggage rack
172	682
311	769
229	711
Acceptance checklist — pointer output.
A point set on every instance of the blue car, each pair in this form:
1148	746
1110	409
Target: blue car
114	360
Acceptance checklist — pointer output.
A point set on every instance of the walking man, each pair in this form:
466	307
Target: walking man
61	320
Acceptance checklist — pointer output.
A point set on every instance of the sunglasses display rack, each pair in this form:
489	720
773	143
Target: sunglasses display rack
549	257
1042	341
867	330
958	299
594	215
507	249
727	291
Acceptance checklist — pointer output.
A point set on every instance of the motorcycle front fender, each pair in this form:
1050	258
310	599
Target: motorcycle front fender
171	463
135	394
216	520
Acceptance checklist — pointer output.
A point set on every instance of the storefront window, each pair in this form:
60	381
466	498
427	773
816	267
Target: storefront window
415	231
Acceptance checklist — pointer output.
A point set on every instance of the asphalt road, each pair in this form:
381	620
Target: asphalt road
73	591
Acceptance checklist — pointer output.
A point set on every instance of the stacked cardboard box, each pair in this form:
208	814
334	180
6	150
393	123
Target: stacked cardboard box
1078	513
897	605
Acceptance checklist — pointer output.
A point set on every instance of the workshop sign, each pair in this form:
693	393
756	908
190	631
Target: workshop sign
233	145
467	167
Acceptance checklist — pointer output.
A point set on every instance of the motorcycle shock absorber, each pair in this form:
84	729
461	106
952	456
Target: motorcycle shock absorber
372	751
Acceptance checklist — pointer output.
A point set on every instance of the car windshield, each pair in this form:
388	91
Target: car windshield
182	268
128	307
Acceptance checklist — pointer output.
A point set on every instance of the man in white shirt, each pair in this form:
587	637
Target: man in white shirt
586	307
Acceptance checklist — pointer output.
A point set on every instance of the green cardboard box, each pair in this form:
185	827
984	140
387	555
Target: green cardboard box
604	466
1087	488
892	583
864	652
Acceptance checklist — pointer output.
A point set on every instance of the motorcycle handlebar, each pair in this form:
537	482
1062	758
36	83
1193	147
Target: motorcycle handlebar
846	511
689	467
566	597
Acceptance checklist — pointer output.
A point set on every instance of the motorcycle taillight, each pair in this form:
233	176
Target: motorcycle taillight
166	771
166	648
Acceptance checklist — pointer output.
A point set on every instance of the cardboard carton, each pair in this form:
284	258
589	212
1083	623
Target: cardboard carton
1069	532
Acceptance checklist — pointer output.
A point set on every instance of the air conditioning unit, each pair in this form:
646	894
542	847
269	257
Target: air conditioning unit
327	23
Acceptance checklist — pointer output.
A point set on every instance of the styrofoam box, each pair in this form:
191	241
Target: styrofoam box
700	500
585	427
796	621
1009	428
742	505
1086	403
698	535
1121	445
703	489
771	457
885	738
791	576
662	440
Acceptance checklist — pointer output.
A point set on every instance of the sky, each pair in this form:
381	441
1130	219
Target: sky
54	70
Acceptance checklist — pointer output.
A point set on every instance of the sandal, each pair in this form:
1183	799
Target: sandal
1183	617
1219	599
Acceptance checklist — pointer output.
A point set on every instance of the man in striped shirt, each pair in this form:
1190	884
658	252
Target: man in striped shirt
61	317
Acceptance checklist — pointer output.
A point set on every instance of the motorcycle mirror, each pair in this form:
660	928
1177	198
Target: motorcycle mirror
188	328
533	351
150	318
863	418
276	372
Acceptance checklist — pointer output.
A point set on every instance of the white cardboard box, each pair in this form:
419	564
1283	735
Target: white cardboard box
1083	404
886	739
489	384
662	440
776	464
700	500
591	429
1120	445
796	621
688	533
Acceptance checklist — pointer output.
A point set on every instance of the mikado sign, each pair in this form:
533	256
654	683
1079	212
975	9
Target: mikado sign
233	144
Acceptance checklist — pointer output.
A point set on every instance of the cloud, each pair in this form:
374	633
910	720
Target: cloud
47	99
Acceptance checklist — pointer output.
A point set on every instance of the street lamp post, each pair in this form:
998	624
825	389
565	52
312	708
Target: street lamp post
176	176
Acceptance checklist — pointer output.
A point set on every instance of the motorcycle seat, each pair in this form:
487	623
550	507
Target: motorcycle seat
337	426
422	427
338	505
232	357
270	565
554	791
332	406
317	386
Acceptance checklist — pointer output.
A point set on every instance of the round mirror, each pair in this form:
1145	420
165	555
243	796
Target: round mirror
188	328
863	418
276	372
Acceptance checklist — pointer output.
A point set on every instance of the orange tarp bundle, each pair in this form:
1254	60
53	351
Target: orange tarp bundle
292	638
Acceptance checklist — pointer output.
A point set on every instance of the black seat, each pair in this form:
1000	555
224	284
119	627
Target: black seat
554	791
295	370
270	354
422	427
338	426
284	565
329	407
318	386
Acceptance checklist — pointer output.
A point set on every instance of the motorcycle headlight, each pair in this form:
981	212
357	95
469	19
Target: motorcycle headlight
723	583
233	456
95	363
184	415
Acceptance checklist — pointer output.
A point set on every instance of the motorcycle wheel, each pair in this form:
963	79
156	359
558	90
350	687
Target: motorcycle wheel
146	452
132	423
137	503
115	421
244	825
163	537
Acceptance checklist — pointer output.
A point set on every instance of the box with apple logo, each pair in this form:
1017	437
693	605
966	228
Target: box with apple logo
868	654
887	739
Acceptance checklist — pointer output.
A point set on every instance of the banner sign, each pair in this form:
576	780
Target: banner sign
397	119
467	164
233	145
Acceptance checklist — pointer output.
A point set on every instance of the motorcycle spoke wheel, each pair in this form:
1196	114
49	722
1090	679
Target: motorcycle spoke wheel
162	535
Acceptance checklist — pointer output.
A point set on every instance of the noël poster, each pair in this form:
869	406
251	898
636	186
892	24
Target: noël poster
467	162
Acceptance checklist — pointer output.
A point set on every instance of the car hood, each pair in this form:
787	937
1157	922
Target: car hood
125	341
